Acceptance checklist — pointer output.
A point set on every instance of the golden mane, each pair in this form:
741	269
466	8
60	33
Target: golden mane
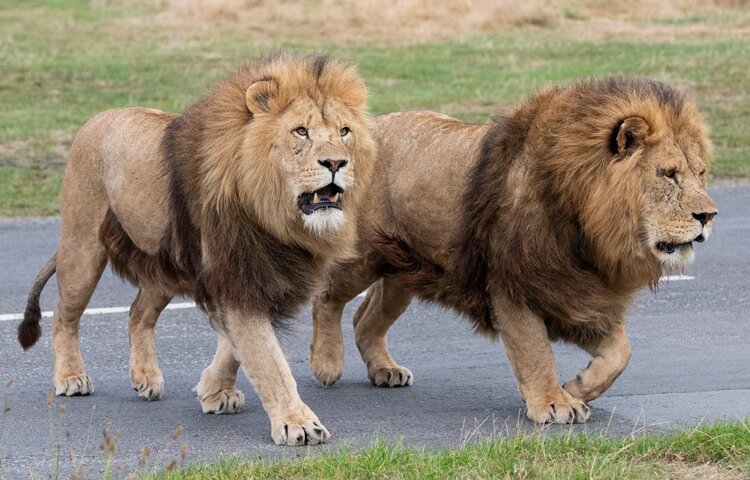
211	154
317	77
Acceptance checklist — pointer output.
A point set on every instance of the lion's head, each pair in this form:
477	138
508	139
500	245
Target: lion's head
289	139
671	157
631	158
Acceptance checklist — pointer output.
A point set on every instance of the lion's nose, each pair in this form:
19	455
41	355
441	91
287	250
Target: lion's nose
333	165
704	217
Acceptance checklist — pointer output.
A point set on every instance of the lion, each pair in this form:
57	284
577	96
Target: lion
243	202
539	226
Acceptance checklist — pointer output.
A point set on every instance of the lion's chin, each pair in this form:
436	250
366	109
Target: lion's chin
674	258
324	221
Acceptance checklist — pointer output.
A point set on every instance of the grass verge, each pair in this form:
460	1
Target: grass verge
717	451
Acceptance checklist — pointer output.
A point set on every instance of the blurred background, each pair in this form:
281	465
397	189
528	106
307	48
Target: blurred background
63	61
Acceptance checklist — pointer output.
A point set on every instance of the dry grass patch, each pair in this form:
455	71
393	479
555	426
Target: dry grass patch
397	21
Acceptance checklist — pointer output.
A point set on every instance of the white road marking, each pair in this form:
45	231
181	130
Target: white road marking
676	278
9	317
96	311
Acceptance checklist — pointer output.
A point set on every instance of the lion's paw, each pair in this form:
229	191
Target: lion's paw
229	400
73	385
327	361
390	377
148	383
558	407
298	429
326	369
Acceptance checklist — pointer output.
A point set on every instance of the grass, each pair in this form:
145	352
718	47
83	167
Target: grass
717	451
64	61
29	191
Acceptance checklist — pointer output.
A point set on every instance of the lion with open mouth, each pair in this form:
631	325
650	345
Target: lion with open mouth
243	202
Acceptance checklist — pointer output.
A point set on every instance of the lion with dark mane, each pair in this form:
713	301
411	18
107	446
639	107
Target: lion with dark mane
539	226
243	202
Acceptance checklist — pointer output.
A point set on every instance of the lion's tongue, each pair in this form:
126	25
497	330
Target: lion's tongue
325	194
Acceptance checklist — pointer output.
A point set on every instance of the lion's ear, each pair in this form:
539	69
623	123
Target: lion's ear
627	135
258	95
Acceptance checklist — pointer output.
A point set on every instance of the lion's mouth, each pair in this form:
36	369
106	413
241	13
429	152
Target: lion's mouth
322	198
670	248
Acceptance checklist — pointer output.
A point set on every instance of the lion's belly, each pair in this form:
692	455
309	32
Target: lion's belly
134	181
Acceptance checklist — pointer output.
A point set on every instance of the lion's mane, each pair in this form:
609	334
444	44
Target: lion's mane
227	245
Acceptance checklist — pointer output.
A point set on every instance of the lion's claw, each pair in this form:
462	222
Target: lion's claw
295	434
561	407
74	385
229	400
391	377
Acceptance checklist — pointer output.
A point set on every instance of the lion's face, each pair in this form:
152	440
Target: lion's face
315	152
306	151
675	208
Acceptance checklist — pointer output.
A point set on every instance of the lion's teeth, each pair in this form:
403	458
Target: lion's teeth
335	198
316	198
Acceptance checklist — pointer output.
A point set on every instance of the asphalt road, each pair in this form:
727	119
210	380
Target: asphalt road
691	359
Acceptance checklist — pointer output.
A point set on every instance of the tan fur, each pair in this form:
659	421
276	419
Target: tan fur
207	204
539	226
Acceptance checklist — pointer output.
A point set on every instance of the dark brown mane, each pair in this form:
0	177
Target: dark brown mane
251	270
532	248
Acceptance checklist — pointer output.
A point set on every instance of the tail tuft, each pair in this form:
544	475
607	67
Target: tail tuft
29	330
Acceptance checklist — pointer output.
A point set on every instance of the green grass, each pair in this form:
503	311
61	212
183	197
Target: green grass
717	451
30	191
62	62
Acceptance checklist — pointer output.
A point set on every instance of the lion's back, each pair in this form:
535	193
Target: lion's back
423	159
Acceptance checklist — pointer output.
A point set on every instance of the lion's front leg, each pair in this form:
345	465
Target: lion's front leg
610	357
259	352
216	389
527	345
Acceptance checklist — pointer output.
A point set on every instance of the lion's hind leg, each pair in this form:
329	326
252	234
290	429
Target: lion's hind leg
145	375
216	389
386	300
610	357
80	262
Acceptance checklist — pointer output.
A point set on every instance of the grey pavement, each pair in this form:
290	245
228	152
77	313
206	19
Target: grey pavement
691	359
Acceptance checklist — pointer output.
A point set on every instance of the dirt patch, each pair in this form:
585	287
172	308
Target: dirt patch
388	21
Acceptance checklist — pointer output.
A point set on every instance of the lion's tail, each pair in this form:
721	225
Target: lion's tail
29	329
392	255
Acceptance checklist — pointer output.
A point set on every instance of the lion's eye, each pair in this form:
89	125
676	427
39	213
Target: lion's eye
301	131
670	173
345	131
